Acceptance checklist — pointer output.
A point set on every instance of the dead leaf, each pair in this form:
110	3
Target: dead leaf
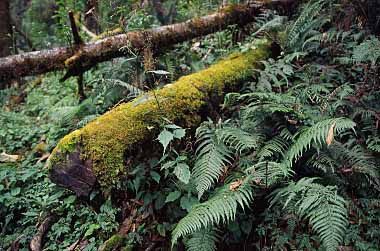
292	122
330	135
43	157
235	185
257	181
4	157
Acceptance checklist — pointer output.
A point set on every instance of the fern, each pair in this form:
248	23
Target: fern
321	205
212	157
133	90
220	208
274	24
304	25
323	161
66	115
373	143
238	139
268	173
265	104
368	51
203	240
277	145
317	134
358	161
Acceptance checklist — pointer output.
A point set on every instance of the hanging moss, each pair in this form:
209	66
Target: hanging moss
105	140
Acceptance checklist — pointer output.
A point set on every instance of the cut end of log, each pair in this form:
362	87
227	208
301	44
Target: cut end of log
74	173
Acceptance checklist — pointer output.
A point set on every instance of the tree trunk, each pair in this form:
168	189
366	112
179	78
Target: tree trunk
374	16
97	152
88	55
6	40
5	29
92	16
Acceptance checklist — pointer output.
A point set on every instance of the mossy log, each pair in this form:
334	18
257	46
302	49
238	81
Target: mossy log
86	56
96	153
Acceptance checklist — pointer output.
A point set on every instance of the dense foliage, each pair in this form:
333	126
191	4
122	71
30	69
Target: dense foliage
288	163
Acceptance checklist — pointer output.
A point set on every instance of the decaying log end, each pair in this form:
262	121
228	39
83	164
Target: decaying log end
74	173
96	153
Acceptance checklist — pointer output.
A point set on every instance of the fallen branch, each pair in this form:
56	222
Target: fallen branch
88	55
36	244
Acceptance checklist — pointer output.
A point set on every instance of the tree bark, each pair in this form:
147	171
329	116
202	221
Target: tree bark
5	29
82	58
6	40
373	22
97	152
91	16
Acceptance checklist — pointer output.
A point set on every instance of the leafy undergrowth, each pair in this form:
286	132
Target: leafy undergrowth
288	163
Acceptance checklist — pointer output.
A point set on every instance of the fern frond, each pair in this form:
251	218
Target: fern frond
322	161
66	115
203	240
273	24
321	205
306	21
368	51
133	90
221	208
373	144
276	145
238	139
268	173
212	157
266	103
358	160
317	134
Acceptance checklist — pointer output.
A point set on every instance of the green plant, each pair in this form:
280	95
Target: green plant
321	205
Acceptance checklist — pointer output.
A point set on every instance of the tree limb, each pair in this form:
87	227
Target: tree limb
37	62
36	244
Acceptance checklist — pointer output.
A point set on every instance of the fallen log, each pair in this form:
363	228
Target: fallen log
84	57
96	153
78	59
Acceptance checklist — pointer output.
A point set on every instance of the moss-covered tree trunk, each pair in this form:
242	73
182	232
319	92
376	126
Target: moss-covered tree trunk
96	153
156	39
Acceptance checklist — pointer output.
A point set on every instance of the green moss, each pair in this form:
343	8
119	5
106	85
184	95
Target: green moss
114	243
127	248
110	33
105	140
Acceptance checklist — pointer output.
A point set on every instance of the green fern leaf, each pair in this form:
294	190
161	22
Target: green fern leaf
321	205
317	134
212	157
238	139
221	208
203	240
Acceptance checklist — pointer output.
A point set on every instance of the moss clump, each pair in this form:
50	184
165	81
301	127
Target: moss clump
105	140
113	244
110	33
